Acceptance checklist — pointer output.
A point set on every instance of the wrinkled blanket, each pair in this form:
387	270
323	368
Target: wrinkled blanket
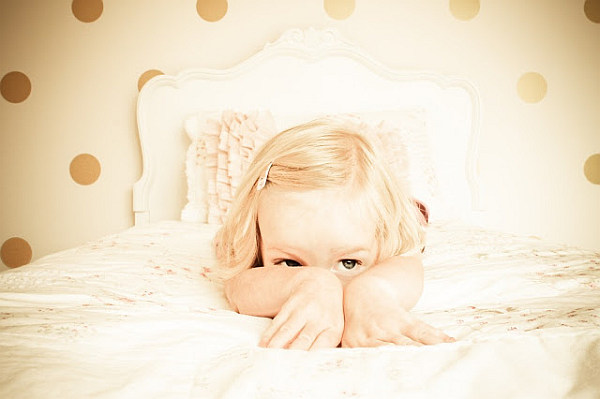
142	314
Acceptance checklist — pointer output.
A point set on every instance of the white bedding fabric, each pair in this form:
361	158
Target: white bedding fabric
136	315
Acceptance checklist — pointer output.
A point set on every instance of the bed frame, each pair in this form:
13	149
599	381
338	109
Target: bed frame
304	72
143	313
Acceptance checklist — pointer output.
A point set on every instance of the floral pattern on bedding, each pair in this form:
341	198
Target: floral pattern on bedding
494	283
497	284
114	279
145	310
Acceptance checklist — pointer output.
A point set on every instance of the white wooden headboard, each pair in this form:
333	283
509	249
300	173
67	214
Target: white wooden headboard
303	72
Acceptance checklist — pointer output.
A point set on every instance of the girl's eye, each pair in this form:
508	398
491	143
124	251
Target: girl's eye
289	263
349	264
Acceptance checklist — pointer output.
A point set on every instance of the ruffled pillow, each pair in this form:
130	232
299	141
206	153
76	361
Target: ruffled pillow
404	138
223	144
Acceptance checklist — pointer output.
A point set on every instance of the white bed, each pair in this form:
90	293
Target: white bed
141	313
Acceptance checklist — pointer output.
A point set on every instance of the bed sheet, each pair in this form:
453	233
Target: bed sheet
142	314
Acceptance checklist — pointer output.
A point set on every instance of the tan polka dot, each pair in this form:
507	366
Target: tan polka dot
464	9
146	76
591	169
16	252
87	10
211	10
532	87
15	87
85	169
339	9
592	10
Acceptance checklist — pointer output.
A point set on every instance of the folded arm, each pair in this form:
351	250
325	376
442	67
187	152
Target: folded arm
376	305
306	304
399	279
261	291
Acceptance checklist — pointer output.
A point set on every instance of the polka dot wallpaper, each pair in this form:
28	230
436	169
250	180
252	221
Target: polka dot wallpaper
71	71
532	87
15	87
211	10
87	10
464	9
85	169
146	76
339	9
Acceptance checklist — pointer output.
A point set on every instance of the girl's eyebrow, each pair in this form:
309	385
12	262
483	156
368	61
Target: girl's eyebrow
290	249
291	252
350	250
358	251
279	247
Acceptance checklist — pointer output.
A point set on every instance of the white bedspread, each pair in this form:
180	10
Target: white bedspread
136	315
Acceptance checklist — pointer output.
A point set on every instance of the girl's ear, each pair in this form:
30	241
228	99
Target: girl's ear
258	259
424	212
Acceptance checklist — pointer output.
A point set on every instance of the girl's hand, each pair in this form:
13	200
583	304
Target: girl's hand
373	319
313	315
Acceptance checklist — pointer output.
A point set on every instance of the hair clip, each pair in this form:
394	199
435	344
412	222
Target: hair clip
262	181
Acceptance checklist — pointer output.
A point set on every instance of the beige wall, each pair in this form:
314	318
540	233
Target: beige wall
540	144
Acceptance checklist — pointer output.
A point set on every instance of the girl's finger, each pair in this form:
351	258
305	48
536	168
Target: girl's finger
305	338
403	340
328	338
267	334
276	323
426	334
369	342
287	332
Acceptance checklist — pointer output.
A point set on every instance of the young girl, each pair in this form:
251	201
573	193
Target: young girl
322	239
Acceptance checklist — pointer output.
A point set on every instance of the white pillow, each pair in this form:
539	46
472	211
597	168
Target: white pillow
223	144
405	133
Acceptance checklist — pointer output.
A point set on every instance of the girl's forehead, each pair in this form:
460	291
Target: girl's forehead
343	197
329	213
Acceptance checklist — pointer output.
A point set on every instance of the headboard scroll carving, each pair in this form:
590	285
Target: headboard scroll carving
307	71
310	42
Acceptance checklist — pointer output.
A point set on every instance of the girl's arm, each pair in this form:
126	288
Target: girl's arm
399	278
306	303
376	305
261	291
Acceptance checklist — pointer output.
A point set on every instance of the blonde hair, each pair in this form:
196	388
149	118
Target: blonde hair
323	154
